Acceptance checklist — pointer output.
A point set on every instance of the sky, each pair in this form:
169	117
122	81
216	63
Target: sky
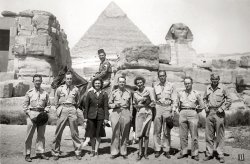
218	26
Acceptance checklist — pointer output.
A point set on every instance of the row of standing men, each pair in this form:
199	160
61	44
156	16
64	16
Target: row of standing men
164	98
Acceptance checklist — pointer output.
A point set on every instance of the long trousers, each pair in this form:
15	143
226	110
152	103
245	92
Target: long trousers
189	122
67	115
215	132
40	141
162	113
120	123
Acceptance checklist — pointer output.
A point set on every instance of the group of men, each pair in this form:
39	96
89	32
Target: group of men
187	102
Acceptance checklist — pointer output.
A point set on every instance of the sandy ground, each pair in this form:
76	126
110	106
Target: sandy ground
13	136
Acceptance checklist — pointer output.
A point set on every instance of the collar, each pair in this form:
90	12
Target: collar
95	91
218	87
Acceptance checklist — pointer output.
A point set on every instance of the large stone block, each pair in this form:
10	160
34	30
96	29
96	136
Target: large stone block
4	76
35	49
8	13
164	53
20	88
131	74
226	75
40	20
24	21
6	89
38	40
18	50
226	64
173	68
245	61
146	57
199	75
25	32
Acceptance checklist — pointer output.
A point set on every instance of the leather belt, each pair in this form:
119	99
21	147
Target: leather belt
67	104
162	104
188	108
37	109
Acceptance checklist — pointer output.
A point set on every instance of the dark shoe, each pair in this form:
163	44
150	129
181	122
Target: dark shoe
27	158
78	157
92	154
114	156
42	156
146	156
139	157
55	158
196	158
221	160
125	157
182	156
167	155
157	154
208	158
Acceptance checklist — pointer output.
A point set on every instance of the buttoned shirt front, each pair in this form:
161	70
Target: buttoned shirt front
123	98
189	100
36	99
66	95
218	97
164	93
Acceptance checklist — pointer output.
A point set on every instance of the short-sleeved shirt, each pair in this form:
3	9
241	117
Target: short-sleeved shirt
122	97
36	99
189	100
164	93
67	95
218	97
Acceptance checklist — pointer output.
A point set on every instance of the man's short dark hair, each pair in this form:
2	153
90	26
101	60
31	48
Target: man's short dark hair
97	79
101	51
37	75
214	75
161	71
139	78
69	73
188	77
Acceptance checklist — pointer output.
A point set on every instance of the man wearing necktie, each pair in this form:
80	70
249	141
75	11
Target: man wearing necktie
66	100
36	101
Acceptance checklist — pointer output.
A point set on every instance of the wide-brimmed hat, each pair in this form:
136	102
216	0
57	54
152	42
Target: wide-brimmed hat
41	119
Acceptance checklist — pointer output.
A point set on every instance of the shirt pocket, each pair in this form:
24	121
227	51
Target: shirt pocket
219	96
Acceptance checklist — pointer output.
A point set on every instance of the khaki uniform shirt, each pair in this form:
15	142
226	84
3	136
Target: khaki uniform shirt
189	100
122	97
65	95
164	95
219	97
38	99
105	70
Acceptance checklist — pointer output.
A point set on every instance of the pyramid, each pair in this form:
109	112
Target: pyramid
113	31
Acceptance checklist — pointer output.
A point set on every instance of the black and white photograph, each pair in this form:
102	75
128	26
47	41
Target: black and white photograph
125	81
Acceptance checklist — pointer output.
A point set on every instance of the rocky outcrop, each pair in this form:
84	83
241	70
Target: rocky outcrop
40	45
139	57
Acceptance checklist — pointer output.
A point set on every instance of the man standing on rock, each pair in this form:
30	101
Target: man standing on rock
189	103
164	92
105	70
121	103
36	101
66	100
217	100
